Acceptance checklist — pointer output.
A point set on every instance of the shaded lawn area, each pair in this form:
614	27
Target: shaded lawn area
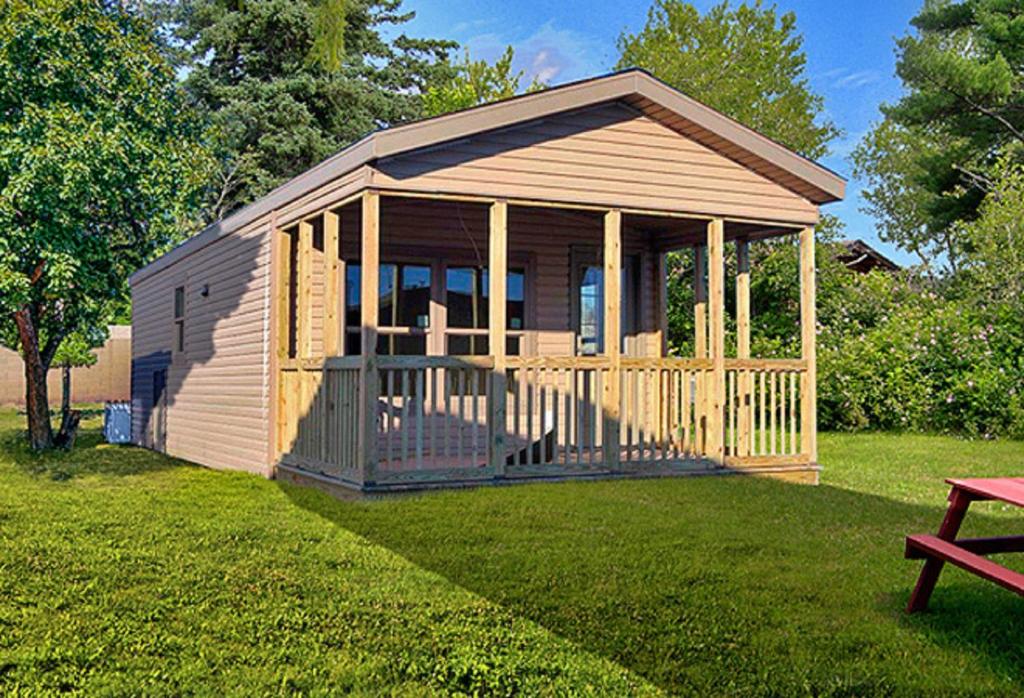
122	571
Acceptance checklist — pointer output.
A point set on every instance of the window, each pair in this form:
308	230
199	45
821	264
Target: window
404	316
588	300
468	312
179	319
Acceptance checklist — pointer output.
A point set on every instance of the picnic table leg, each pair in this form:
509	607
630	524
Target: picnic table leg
958	503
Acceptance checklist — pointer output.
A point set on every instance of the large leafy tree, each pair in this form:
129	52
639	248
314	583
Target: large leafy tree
287	83
748	62
745	61
474	82
97	169
963	106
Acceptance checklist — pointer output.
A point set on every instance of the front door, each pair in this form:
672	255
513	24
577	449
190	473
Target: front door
588	302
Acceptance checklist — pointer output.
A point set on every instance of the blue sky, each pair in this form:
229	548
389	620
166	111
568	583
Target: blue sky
849	54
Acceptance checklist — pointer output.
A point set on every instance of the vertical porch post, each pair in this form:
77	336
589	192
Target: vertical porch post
304	319
369	292
700	342
808	339
612	335
281	280
715	448
332	286
497	291
743	344
700	303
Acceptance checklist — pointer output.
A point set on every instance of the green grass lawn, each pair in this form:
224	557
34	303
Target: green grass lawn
123	572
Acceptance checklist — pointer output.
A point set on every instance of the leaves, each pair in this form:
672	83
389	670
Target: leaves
747	62
928	160
284	84
476	82
99	163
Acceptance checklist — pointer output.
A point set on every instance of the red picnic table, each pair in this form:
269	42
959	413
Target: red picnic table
967	552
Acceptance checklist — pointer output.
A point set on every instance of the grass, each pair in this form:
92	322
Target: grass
124	572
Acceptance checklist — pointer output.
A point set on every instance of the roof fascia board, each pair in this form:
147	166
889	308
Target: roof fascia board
333	167
423	134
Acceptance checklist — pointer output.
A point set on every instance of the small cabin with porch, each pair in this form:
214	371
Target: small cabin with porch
480	297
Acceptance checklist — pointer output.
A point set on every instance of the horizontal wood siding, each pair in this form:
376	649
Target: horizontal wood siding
607	154
217	410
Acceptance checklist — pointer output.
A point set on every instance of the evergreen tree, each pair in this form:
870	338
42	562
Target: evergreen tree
963	107
262	73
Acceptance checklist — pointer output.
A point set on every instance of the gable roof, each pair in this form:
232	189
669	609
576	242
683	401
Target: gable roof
632	86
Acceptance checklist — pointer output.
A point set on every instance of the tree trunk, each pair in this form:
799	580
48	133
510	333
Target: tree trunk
37	404
65	393
68	429
69	419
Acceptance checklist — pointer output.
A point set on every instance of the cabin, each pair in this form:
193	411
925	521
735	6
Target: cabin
862	258
480	298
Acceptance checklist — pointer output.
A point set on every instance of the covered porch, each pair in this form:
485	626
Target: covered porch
425	339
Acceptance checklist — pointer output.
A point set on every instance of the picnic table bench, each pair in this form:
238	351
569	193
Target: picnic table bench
967	553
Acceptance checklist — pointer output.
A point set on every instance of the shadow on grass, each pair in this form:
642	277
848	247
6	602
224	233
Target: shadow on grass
90	456
713	584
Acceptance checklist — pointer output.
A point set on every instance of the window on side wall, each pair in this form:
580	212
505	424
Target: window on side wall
179	319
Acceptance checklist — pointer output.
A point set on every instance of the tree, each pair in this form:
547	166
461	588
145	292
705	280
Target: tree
258	74
994	264
963	107
98	167
75	351
476	82
893	160
746	62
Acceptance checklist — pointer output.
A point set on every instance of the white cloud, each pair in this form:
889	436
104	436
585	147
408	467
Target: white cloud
549	54
844	78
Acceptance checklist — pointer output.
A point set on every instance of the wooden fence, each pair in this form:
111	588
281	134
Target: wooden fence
434	416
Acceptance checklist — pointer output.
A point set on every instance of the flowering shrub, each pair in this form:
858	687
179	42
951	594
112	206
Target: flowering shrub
929	365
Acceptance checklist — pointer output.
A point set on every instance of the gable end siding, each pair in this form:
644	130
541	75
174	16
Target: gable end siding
609	155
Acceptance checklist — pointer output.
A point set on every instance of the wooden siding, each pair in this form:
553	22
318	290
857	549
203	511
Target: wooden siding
217	407
606	155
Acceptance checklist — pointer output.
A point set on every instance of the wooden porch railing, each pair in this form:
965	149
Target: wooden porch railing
433	416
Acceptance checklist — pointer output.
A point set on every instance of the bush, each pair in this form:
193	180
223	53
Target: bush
929	365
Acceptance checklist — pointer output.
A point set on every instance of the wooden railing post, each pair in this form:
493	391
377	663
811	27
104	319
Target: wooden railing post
743	346
716	317
369	308
808	339
497	269
612	336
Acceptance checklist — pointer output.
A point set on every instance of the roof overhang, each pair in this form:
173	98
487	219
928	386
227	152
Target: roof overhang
636	87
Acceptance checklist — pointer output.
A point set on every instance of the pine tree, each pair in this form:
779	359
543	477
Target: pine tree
277	98
963	108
